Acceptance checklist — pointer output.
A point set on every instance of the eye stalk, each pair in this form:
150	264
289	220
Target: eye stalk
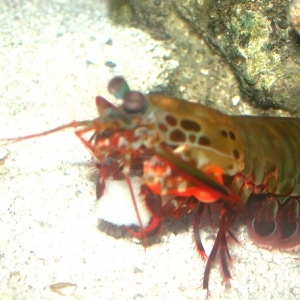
134	102
118	86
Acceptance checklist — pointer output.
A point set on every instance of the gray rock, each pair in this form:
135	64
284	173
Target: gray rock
252	45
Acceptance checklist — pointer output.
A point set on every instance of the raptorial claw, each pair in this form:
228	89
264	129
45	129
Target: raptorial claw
152	229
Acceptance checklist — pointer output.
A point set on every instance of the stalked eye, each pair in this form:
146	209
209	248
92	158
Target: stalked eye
118	87
134	102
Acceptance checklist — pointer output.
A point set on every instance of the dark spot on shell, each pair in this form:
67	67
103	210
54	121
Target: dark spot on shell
230	167
190	125
236	154
224	133
177	136
203	141
171	120
232	135
192	138
162	127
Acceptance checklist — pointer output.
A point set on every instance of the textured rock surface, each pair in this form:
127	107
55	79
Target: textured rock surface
254	44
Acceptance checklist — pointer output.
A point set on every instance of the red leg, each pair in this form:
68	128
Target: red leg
196	229
226	219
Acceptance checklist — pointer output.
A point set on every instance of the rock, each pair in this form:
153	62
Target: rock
258	51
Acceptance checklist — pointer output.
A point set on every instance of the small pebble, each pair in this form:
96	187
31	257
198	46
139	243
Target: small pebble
204	72
110	64
64	288
235	100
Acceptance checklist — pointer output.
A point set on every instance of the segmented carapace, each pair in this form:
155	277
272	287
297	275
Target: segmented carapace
190	156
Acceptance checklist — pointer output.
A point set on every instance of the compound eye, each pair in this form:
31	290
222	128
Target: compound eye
134	102
118	87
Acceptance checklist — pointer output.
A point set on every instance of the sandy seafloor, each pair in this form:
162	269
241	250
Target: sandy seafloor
52	56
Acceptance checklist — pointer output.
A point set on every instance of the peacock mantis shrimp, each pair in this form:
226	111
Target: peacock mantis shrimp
190	156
